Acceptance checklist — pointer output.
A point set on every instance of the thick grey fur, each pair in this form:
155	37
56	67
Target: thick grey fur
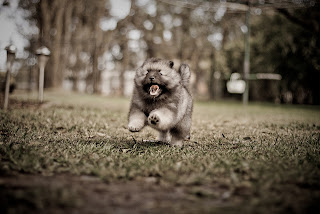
169	112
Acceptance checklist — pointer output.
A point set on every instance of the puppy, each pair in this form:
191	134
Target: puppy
162	100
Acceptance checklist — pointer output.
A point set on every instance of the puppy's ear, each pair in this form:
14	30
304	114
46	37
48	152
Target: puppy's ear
185	74
171	64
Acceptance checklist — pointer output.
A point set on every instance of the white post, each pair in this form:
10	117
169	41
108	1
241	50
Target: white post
6	92
41	82
11	53
43	56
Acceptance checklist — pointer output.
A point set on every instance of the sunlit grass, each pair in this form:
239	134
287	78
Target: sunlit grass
259	158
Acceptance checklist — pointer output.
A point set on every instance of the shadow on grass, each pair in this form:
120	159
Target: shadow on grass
124	143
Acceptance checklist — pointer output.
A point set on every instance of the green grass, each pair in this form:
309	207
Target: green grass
261	158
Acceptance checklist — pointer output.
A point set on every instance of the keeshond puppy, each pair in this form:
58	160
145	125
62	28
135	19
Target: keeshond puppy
161	99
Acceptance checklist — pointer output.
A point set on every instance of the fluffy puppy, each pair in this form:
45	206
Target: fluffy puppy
161	99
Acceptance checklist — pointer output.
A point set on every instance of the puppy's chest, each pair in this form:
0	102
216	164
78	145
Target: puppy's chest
149	107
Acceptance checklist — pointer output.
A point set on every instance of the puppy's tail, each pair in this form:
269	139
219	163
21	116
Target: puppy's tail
184	71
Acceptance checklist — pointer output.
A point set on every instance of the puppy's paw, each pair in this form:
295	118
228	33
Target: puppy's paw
153	119
164	136
133	128
177	143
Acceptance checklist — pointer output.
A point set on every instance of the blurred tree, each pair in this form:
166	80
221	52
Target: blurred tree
50	23
291	49
49	17
69	28
85	35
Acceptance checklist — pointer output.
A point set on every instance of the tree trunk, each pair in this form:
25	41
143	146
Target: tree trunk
95	71
97	43
125	66
51	27
45	26
67	34
45	23
56	82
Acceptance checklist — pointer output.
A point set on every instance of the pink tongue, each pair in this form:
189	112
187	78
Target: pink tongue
154	89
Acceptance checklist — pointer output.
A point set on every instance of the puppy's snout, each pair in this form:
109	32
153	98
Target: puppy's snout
151	78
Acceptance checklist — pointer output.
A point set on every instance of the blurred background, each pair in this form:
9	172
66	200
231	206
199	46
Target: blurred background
96	45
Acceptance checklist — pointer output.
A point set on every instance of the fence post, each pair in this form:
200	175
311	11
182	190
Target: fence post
11	55
43	54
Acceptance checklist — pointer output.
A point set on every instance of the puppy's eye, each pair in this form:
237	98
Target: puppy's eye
160	72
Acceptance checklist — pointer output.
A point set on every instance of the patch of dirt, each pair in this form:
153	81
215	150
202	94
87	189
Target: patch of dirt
25	193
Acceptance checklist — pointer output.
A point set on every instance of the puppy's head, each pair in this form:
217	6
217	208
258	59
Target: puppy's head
157	77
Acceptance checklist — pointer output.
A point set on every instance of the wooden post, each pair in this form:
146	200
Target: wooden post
246	64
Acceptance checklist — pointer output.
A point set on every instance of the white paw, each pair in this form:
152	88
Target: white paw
164	137
178	143
133	128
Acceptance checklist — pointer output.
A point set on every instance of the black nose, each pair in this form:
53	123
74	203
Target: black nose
151	78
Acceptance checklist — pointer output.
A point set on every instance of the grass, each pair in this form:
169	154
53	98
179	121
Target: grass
257	159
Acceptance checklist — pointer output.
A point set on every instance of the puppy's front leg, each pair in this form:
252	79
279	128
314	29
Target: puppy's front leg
161	119
137	120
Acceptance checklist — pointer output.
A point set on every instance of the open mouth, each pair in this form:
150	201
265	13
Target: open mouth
154	90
